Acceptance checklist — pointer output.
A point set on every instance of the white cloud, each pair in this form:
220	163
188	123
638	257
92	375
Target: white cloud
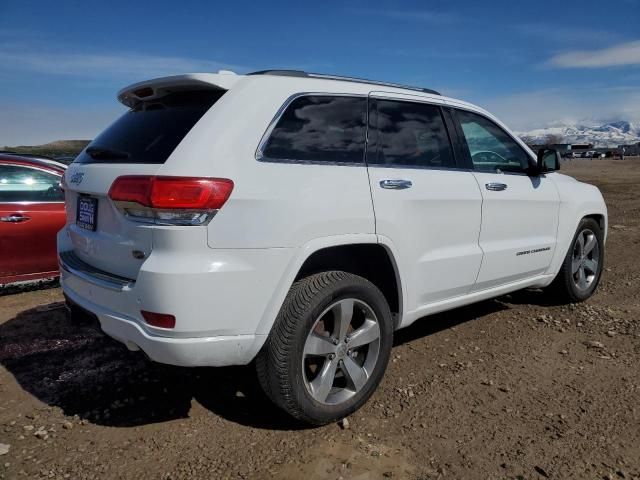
617	55
116	65
536	109
567	35
523	111
34	125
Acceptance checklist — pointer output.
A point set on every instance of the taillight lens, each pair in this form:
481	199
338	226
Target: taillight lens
198	193
170	200
135	189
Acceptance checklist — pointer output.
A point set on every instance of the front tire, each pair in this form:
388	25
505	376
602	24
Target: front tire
581	269
328	349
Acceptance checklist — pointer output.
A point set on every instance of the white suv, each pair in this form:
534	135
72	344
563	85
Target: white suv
299	219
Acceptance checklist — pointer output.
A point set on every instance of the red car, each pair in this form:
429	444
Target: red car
31	213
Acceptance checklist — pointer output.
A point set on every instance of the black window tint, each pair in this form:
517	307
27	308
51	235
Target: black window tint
22	184
411	134
320	129
490	147
150	132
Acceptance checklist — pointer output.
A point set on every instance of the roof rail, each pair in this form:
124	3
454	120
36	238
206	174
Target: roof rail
302	74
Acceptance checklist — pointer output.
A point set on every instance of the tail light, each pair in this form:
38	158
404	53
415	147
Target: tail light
170	200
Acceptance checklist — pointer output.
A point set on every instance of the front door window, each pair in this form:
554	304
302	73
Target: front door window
491	148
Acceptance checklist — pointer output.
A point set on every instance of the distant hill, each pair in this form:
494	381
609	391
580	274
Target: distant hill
608	135
58	148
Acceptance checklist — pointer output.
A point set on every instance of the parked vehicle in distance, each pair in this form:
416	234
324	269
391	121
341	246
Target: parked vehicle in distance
56	162
31	214
300	219
593	154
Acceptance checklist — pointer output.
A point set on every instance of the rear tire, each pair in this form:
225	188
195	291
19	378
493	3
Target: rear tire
328	349
581	268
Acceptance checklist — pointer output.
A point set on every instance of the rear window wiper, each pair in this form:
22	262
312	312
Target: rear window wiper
103	153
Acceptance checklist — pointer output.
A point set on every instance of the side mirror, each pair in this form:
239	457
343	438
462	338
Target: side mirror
548	160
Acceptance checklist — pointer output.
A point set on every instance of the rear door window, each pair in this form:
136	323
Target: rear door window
409	134
319	128
150	131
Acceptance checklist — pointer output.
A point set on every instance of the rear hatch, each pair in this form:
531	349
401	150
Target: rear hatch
138	143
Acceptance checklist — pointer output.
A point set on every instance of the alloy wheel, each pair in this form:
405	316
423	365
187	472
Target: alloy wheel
585	259
341	351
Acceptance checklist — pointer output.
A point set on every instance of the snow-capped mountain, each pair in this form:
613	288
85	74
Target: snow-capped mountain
608	135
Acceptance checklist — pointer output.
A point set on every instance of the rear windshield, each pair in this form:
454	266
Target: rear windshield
151	130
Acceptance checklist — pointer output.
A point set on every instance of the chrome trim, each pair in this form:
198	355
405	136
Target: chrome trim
504	129
311	162
419	167
327	76
377	83
15	218
396	184
495	186
70	263
123	207
259	155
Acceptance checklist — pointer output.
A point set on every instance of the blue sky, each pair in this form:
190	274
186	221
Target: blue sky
531	63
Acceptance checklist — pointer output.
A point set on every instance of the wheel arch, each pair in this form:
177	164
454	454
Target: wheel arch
361	255
372	261
600	218
566	233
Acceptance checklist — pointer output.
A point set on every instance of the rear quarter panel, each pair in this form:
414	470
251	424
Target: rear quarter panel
273	204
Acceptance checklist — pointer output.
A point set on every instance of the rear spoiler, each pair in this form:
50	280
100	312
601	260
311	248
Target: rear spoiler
159	87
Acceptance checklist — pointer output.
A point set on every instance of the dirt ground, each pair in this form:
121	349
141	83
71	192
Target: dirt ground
511	388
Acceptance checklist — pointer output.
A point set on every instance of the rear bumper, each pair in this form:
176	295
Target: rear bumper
218	297
215	351
71	264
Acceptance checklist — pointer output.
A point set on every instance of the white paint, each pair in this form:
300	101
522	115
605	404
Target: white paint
451	241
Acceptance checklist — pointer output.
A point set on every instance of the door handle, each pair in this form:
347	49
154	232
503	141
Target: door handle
395	184
14	218
495	186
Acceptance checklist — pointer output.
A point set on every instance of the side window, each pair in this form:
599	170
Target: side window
490	147
411	135
320	128
22	184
